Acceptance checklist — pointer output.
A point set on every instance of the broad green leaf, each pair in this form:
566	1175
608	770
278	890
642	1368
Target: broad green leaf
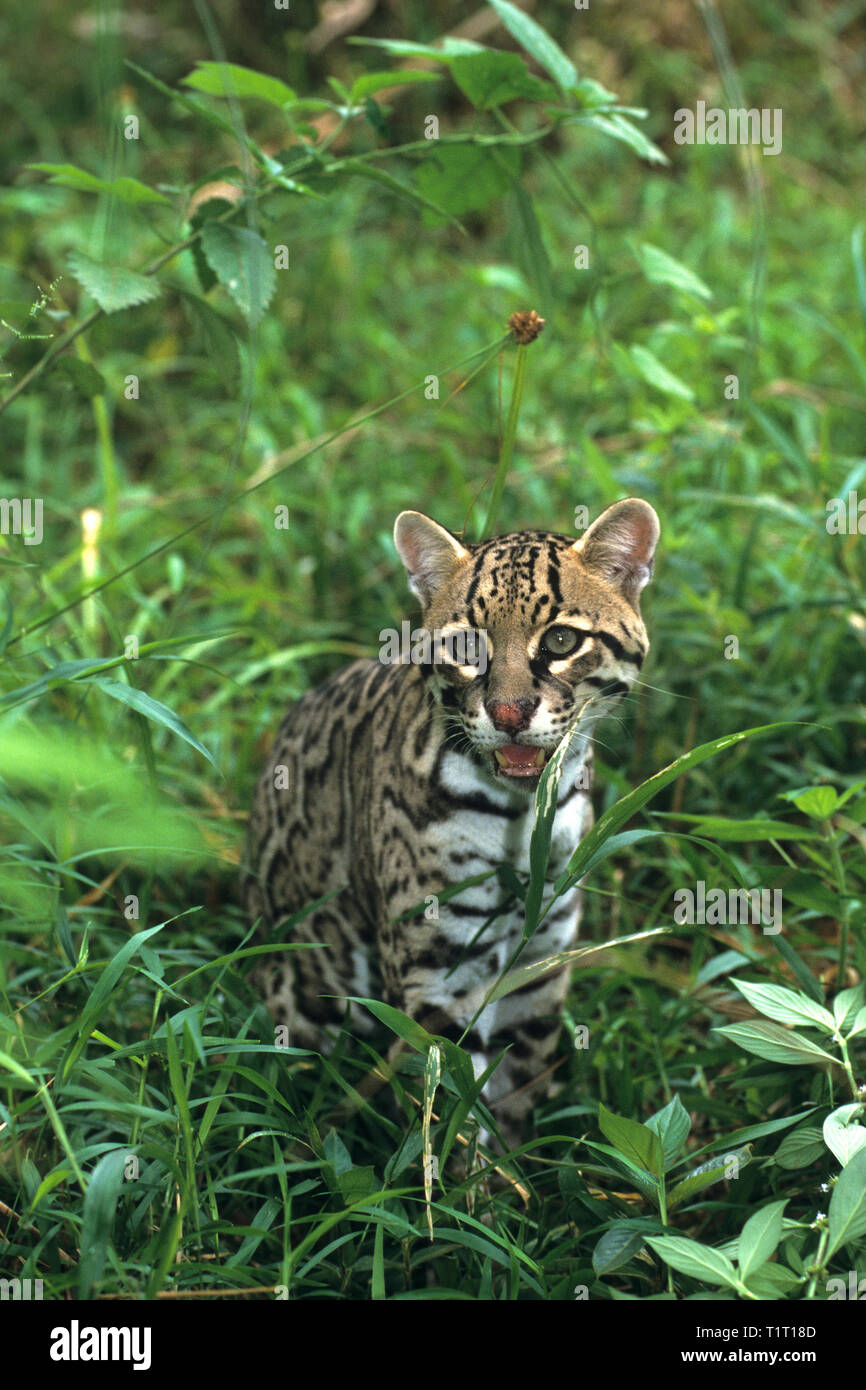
623	1167
698	1261
847	1005
152	709
113	286
775	1044
232	80
243	264
817	802
715	1170
371	82
759	1238
126	189
650	368
662	269
100	1204
537	43
859	1024
616	1247
672	1125
786	1006
491	78
842	1136
800	1149
773	1282
463	178
847	1214
634	1140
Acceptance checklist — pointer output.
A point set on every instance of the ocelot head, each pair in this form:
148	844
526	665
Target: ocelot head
531	634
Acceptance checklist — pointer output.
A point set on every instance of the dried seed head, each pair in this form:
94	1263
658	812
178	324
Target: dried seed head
526	326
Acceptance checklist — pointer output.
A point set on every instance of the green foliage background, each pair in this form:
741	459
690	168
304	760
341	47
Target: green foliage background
124	779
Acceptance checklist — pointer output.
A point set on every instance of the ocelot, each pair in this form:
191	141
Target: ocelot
395	780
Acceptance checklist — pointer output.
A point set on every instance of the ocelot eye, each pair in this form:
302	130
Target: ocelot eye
559	641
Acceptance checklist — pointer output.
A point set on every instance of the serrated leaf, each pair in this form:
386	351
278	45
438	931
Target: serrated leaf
847	1214
672	1125
698	1261
632	1139
662	269
759	1238
786	1006
113	286
650	368
538	43
842	1136
126	189
243	264
152	709
492	78
232	80
775	1044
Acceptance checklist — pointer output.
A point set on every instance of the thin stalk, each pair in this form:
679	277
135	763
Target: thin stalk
508	439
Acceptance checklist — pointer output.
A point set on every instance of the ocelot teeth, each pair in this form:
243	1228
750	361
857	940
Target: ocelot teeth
540	758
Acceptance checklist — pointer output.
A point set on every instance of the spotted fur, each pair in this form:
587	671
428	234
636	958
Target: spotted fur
391	783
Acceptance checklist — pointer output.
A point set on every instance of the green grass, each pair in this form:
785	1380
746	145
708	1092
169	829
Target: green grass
156	1140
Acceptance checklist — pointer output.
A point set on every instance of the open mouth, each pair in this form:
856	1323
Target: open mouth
520	760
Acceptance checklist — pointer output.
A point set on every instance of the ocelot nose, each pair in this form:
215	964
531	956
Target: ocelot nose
511	716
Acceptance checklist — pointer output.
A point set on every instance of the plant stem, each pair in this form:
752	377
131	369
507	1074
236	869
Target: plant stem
508	439
844	909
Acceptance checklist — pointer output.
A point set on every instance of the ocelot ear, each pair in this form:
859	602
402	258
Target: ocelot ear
429	552
620	545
